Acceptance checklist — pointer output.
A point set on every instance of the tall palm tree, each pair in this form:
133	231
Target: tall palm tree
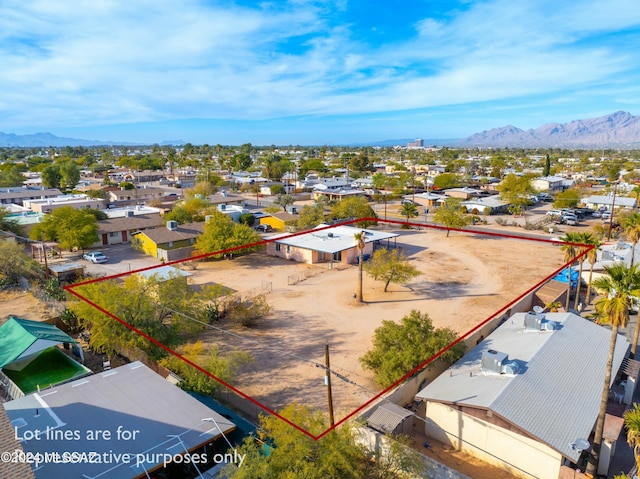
585	240
360	237
569	248
632	424
619	285
592	257
632	228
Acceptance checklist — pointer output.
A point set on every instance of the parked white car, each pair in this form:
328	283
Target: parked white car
95	257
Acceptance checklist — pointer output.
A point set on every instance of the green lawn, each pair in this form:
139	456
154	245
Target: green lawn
51	367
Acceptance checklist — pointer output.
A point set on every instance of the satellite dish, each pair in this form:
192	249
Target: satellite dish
538	309
580	445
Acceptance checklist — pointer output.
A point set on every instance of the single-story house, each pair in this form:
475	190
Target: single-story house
277	221
225	198
325	184
550	184
137	195
119	230
524	397
328	245
427	199
129	410
597	201
18	194
170	243
463	193
266	188
75	201
494	203
338	194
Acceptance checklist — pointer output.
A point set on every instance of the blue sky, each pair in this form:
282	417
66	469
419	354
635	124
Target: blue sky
311	72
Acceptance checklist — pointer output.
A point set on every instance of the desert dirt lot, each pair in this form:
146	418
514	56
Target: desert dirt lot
465	279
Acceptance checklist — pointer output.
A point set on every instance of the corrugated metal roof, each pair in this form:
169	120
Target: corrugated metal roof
387	417
129	398
556	394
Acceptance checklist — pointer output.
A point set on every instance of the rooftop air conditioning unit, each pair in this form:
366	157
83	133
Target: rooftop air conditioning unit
537	322
495	362
128	214
172	225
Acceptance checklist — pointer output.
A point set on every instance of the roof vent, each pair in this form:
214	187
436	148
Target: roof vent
172	225
537	322
494	362
128	214
330	235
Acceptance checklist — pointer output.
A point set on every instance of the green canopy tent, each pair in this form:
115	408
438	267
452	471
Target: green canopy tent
22	339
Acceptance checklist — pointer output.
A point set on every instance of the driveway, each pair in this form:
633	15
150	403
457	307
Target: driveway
122	258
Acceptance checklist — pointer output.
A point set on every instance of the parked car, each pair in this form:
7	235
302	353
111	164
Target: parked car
606	216
554	213
95	257
263	228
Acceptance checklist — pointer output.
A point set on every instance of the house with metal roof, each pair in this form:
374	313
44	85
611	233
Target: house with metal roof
329	244
528	396
124	423
598	201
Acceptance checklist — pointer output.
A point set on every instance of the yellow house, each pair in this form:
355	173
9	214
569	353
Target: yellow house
170	243
278	220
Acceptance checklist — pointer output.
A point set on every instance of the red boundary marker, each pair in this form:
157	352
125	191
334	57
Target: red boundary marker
71	289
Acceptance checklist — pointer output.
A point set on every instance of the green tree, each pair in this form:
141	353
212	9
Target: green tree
51	176
567	199
69	227
450	214
7	223
354	207
127	185
69	174
632	229
284	201
409	210
221	233
390	266
619	287
446	180
14	263
310	216
516	190
11	177
223	367
632	425
592	257
546	171
158	307
190	210
338	454
570	252
400	348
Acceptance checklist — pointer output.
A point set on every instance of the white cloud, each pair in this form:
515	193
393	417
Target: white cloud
83	62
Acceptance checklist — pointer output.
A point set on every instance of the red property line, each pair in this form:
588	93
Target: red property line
71	289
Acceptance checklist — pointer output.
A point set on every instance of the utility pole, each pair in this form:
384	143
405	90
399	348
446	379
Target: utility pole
327	381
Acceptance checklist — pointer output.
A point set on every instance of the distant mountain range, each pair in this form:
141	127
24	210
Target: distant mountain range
618	130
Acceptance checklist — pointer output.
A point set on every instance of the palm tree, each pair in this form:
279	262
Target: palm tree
585	239
360	237
592	257
619	285
409	210
632	228
632	423
569	248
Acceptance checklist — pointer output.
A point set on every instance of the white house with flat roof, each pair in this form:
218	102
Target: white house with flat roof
324	244
524	396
